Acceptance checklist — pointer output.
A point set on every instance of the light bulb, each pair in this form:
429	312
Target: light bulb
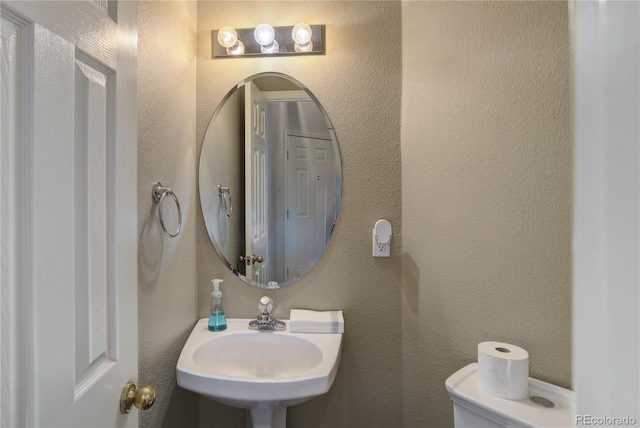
301	34
264	34
227	37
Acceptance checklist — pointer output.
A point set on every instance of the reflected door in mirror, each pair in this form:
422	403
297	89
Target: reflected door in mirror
256	195
309	199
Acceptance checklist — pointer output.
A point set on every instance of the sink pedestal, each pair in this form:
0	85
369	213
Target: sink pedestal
271	417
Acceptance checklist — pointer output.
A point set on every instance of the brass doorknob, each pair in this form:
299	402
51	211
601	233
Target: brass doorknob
142	398
257	259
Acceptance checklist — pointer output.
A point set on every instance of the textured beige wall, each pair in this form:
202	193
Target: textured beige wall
486	192
358	82
486	177
167	293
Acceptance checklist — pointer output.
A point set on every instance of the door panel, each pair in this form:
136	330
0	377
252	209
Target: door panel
51	161
74	314
93	323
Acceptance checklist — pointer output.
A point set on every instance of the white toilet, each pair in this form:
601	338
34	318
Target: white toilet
547	406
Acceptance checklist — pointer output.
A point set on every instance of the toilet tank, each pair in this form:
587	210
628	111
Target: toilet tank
547	406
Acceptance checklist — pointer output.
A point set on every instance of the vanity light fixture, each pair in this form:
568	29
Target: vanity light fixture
265	40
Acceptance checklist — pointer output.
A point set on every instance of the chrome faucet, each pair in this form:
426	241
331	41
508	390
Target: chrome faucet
265	320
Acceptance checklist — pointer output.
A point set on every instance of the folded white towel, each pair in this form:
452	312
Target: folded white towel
306	321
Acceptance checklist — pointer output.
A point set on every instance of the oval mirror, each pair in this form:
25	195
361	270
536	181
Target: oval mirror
270	180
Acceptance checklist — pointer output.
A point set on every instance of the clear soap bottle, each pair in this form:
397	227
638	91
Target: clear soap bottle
217	320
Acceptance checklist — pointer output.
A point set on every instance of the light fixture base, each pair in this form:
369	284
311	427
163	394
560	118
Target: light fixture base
283	36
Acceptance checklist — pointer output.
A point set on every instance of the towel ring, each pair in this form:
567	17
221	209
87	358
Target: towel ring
225	195
158	194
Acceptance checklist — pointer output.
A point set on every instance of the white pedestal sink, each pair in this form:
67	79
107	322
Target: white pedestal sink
262	371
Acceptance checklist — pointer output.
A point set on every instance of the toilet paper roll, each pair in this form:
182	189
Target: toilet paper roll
503	370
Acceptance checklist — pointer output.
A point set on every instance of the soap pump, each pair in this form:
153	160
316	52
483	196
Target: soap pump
217	320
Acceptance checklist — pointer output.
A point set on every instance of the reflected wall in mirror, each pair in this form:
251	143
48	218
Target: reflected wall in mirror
270	180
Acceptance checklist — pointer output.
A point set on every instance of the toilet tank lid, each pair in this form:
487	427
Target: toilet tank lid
464	390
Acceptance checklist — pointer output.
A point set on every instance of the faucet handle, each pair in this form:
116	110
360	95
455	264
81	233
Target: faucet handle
266	305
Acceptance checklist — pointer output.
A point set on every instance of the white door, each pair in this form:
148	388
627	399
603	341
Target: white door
256	196
69	232
309	200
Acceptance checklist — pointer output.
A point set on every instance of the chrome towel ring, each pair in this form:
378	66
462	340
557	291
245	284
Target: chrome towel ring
225	195
158	194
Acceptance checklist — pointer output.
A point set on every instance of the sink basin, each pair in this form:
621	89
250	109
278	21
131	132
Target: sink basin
263	371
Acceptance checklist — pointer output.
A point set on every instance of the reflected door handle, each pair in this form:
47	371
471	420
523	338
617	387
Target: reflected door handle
251	260
142	398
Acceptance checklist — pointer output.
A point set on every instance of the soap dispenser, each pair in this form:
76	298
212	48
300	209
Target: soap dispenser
217	320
